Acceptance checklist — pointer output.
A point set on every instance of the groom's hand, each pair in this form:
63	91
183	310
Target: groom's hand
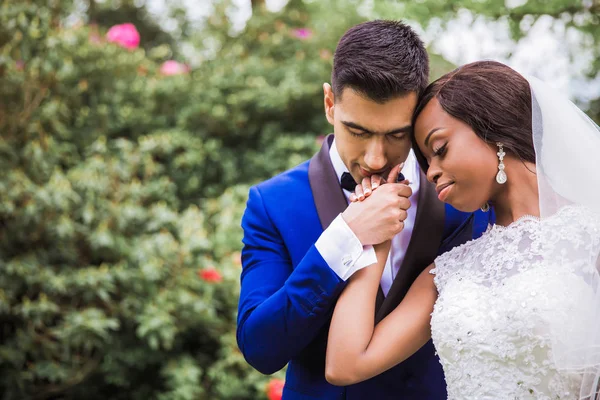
381	216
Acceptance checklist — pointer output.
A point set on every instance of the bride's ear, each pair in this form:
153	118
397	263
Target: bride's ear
329	102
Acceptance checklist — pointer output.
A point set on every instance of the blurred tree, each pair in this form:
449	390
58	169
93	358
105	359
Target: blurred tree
579	16
110	286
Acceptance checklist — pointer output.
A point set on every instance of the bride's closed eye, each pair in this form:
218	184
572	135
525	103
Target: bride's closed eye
440	150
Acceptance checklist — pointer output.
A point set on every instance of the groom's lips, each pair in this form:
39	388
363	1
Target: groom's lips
365	174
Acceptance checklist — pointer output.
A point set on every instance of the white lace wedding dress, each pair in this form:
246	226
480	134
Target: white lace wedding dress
501	296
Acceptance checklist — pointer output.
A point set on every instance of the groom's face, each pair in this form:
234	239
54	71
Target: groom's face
371	137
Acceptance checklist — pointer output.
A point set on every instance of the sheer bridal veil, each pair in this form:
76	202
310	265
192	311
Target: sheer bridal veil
567	147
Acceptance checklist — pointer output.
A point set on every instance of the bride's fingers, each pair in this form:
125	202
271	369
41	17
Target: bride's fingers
358	192
376	181
366	185
394	172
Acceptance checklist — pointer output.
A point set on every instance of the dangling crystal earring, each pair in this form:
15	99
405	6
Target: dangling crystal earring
501	176
485	207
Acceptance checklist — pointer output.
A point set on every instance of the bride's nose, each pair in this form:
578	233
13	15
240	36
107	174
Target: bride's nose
433	173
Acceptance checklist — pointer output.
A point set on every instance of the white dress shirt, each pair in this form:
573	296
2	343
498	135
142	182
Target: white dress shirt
342	250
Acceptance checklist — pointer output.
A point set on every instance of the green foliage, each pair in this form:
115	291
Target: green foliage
114	186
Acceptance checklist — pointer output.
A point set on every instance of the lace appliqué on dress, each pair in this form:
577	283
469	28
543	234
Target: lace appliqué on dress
499	298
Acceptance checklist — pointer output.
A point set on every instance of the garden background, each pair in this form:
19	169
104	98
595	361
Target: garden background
129	138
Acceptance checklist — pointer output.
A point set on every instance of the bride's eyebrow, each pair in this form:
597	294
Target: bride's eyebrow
431	132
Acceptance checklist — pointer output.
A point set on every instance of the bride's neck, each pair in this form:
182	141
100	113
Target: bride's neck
519	195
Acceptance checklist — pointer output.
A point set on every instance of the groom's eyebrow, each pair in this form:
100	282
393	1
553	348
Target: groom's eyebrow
404	129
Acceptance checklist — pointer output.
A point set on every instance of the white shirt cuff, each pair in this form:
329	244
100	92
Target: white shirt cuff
342	250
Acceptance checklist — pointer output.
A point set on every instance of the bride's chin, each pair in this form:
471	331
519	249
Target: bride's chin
468	208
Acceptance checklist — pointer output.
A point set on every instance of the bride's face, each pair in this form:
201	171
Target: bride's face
461	165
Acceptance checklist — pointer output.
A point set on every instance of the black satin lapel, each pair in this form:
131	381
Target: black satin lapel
423	246
326	189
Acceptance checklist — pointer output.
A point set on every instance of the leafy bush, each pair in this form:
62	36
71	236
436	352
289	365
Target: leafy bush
119	276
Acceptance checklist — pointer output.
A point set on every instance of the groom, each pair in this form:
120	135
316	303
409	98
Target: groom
302	241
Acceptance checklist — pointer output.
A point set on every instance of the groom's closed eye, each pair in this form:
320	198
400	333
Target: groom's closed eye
359	131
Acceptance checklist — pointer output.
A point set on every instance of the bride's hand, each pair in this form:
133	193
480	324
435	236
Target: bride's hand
369	184
366	187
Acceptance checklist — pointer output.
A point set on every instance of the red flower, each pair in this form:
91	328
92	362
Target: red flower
275	389
210	275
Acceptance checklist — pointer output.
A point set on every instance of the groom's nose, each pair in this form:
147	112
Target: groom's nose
375	155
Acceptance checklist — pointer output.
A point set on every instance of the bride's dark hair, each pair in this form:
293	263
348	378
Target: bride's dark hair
490	97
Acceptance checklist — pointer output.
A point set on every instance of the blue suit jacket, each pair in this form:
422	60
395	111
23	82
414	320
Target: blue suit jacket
288	291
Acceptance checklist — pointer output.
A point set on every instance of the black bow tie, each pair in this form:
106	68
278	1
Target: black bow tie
348	182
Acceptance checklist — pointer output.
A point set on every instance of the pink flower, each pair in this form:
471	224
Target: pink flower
125	35
20	65
210	275
275	389
319	140
302	33
173	68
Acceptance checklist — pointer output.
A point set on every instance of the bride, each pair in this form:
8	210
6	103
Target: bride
514	314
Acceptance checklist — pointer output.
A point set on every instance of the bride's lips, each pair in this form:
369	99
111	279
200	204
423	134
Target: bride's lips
443	190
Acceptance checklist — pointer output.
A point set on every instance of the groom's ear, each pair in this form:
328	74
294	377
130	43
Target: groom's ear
328	99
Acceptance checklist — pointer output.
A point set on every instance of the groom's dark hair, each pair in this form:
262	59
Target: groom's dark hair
381	60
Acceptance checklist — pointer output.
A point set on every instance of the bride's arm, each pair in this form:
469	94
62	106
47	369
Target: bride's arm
357	350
